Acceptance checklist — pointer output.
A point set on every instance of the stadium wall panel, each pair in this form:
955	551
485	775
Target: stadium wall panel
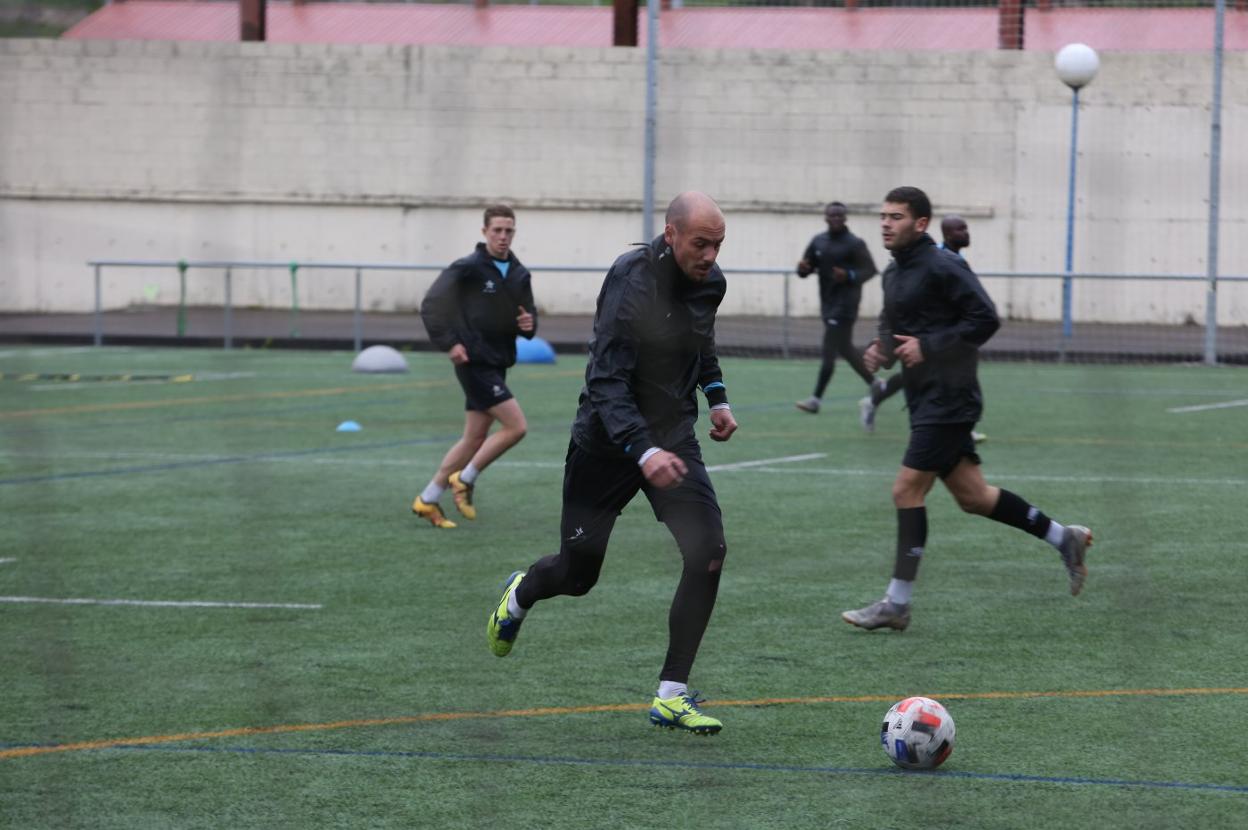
164	150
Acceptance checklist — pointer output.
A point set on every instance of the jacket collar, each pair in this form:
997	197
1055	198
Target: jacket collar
907	255
485	252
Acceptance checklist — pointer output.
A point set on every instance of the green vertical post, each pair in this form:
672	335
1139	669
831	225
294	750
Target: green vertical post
182	266
294	299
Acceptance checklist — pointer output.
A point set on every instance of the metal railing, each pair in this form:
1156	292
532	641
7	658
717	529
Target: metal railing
228	266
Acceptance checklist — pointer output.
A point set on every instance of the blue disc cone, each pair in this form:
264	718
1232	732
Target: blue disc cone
536	350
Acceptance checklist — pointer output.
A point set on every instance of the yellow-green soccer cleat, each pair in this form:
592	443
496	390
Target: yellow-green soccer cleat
501	630
431	513
463	496
682	712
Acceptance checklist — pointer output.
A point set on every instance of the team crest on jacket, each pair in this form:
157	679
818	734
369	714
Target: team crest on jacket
489	287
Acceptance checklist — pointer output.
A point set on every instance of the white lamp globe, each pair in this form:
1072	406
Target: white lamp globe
1077	64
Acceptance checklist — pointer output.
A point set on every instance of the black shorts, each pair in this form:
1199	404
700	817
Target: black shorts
937	448
484	386
596	489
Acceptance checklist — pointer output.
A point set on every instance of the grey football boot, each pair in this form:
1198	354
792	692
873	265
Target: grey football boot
882	614
1076	540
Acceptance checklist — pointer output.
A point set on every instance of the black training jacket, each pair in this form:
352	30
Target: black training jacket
471	303
933	294
839	300
653	346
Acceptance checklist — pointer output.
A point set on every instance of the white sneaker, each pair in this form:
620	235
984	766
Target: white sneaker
866	414
882	614
810	405
1074	550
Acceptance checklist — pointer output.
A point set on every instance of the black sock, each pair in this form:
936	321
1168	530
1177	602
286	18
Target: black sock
821	382
911	539
1014	511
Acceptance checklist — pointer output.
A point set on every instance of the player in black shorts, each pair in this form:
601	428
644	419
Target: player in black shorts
936	316
653	347
473	311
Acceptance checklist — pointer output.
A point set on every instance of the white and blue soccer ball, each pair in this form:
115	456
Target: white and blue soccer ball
917	733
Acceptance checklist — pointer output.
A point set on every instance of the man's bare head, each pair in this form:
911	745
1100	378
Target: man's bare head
694	228
955	232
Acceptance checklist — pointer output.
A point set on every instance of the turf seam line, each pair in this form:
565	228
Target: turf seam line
705	765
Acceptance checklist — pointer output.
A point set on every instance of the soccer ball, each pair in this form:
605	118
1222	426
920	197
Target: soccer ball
917	733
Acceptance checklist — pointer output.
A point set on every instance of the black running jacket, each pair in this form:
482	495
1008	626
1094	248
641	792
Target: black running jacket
653	347
471	303
932	294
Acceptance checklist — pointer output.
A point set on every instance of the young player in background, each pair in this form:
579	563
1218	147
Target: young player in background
473	311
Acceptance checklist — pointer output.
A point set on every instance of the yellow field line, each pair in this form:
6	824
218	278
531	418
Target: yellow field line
27	751
158	404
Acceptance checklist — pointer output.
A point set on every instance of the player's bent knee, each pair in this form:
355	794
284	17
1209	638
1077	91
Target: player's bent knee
977	503
709	558
582	581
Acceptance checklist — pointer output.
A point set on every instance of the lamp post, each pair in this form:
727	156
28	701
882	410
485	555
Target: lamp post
1076	65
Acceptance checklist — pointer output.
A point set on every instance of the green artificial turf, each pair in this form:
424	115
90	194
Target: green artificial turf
383	707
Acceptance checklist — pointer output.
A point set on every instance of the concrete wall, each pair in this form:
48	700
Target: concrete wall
161	150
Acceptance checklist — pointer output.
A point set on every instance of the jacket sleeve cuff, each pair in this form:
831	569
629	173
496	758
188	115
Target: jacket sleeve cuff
639	447
715	393
645	456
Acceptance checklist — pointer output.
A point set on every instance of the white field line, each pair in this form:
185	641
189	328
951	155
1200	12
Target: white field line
57	352
763	462
7	560
160	603
1206	406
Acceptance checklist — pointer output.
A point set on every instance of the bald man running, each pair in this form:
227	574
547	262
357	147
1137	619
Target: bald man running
653	347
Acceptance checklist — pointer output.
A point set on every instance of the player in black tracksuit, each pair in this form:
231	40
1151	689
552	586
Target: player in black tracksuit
843	264
474	311
653	348
936	316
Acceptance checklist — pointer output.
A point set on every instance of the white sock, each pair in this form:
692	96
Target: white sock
1055	534
469	474
670	688
899	591
432	493
513	607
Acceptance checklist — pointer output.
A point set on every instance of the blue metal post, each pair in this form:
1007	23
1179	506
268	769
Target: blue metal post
1067	322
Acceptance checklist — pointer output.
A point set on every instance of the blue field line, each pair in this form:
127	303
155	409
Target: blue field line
336	406
79	429
230	459
1073	780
